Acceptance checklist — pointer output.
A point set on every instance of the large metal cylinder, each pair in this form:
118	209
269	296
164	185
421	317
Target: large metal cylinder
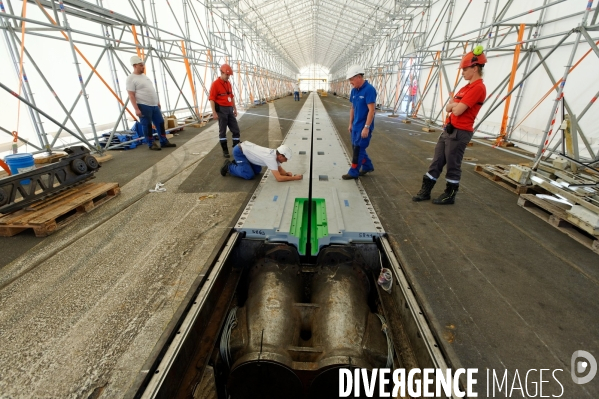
268	325
341	325
294	343
349	333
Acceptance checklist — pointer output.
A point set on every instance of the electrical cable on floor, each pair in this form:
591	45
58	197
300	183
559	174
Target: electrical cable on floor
384	328
230	324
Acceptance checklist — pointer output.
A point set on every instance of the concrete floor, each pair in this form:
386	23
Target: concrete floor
84	311
502	288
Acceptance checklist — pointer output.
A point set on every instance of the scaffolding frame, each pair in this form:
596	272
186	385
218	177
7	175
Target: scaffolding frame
267	42
411	40
203	38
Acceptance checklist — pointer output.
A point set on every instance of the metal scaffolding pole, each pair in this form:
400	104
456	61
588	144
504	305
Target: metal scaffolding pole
13	50
76	61
113	74
551	121
111	41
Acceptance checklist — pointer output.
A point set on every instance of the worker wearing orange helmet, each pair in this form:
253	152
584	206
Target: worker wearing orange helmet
223	106
459	128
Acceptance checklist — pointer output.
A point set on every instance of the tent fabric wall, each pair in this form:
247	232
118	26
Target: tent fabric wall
271	44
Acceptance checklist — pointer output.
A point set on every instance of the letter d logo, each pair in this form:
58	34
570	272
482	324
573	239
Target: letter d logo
582	366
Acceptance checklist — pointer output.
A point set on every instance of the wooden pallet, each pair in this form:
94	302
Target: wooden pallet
558	218
103	158
48	158
49	215
499	175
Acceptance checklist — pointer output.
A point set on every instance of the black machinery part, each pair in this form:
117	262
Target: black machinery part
73	169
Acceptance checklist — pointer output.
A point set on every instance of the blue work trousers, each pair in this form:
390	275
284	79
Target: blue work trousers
296	96
152	115
360	159
241	167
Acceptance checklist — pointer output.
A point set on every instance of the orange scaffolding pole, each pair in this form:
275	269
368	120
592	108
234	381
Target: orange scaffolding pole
261	86
457	76
426	84
138	47
24	14
553	88
88	63
190	77
268	85
247	79
384	83
209	59
239	83
398	81
263	93
441	93
501	138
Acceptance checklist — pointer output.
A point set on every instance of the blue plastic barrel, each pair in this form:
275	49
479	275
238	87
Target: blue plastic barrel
20	163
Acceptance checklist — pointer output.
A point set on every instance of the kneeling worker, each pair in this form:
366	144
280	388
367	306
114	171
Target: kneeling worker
250	158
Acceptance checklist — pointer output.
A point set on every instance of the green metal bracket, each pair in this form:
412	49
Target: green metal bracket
299	223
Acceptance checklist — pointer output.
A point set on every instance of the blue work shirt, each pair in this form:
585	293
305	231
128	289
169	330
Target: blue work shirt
360	98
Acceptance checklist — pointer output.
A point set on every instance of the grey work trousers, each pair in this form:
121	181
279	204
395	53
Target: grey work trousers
226	118
450	151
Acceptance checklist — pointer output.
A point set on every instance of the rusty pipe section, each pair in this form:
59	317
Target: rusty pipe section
344	327
269	316
298	326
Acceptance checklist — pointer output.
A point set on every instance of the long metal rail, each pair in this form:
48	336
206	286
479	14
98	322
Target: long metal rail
180	369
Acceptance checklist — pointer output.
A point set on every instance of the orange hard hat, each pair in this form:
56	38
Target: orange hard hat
226	69
472	59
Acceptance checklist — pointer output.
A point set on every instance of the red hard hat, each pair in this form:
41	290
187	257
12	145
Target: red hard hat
471	59
226	69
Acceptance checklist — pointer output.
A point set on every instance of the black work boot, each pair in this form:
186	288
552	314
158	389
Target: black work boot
225	168
168	144
223	144
155	146
425	192
448	196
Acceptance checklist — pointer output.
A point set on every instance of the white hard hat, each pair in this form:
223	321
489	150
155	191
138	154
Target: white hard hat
285	151
355	70
136	60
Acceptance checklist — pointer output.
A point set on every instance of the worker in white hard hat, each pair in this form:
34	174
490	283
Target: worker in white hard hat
361	121
250	158
144	100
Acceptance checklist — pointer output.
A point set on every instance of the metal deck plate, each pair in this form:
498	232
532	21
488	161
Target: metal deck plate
350	215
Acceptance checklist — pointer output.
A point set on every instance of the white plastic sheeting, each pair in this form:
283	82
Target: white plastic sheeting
275	42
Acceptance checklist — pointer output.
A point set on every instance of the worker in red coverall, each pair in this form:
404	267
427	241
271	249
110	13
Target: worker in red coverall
223	106
458	131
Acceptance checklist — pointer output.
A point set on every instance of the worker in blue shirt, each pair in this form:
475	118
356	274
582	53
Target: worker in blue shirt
361	121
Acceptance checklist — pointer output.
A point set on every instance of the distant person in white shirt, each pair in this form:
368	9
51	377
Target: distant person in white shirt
144	99
250	158
296	90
